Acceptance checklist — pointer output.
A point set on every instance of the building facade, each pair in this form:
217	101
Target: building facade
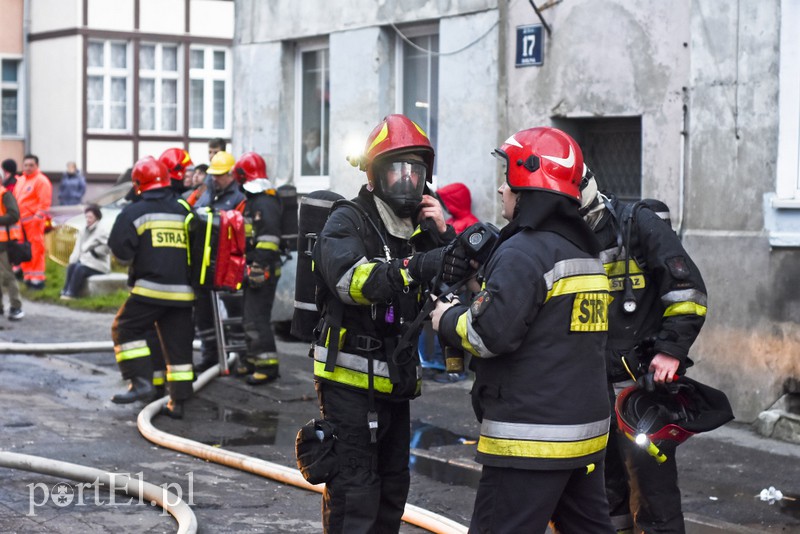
694	102
110	81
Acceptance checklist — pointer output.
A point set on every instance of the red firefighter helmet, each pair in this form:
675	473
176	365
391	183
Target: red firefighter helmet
149	173
249	167
544	159
398	160
671	413
177	160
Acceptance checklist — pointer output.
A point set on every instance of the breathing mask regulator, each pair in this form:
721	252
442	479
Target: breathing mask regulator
400	181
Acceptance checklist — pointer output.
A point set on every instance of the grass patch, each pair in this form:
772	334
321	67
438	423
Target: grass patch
52	293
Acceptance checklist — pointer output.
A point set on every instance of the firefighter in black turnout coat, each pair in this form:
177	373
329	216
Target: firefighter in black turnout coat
150	235
658	308
536	331
370	262
262	214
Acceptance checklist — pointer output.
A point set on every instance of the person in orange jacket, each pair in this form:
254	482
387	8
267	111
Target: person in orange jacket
34	195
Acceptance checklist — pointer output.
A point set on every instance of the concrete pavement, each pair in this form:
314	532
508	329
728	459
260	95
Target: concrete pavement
58	406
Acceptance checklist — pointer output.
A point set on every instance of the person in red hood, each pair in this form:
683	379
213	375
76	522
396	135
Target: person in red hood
458	201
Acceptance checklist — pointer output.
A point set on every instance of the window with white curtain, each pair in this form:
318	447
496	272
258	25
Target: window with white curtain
418	78
108	86
209	91
313	117
10	88
158	88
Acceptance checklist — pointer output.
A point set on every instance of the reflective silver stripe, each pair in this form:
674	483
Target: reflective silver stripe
475	340
310	306
179	368
317	202
166	288
268	239
354	362
663	215
612	254
343	285
622	522
159	374
685	295
525	431
573	267
157	217
131	345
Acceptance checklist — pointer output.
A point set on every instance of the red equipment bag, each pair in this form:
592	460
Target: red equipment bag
217	246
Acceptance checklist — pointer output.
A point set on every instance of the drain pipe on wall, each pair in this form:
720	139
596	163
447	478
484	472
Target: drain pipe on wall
415	515
682	170
135	487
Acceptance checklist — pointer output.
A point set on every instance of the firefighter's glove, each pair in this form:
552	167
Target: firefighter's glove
256	275
455	265
424	266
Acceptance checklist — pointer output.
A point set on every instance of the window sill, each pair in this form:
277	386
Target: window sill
782	220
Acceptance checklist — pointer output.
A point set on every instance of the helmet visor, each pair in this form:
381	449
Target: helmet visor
402	178
502	163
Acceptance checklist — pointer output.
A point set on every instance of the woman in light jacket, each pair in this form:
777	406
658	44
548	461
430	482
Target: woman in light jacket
90	256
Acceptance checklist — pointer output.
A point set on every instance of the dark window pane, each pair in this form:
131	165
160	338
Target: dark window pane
10	70
612	148
219	105
9	122
196	59
219	60
315	114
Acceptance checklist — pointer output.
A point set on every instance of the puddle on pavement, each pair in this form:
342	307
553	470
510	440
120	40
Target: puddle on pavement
425	436
256	428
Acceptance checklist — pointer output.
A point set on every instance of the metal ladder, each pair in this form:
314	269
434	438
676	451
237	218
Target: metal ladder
230	339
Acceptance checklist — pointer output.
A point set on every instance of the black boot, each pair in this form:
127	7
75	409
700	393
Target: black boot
173	409
140	389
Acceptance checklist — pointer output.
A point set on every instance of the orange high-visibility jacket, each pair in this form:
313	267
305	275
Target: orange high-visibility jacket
12	231
34	195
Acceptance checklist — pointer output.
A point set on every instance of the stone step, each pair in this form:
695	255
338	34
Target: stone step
104	284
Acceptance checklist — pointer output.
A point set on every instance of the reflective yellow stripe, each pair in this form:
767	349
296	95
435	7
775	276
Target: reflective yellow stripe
576	284
360	276
406	277
267	362
685	308
159	225
383	134
158	380
180	376
163	295
353	378
541	449
266	246
131	354
617	268
248	229
206	247
461	330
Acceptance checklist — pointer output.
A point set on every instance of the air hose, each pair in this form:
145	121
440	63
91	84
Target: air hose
183	514
413	514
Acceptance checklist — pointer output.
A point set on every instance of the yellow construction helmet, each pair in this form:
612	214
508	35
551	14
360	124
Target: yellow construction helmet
221	163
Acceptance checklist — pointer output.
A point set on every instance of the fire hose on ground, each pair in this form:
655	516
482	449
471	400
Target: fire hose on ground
186	522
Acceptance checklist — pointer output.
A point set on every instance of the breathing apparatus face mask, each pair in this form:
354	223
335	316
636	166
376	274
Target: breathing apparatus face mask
400	183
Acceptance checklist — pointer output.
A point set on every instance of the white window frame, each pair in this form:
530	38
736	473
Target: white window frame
209	75
107	72
18	87
307	183
411	32
788	164
158	75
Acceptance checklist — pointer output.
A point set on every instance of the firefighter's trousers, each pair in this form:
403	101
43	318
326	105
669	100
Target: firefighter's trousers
522	500
369	492
132	327
258	300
